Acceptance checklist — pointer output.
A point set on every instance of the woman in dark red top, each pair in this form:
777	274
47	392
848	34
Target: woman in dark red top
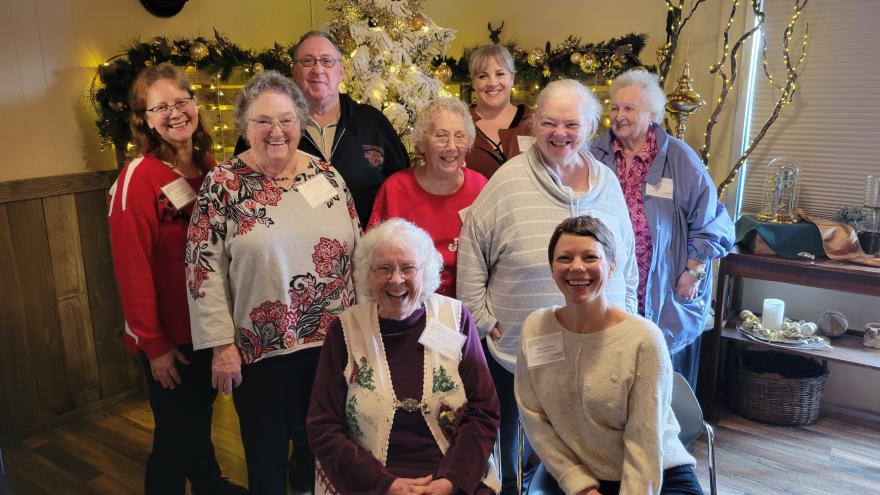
150	206
503	130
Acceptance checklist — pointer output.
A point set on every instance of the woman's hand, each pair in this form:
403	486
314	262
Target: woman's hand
407	486
440	486
688	286
226	368
495	333
164	369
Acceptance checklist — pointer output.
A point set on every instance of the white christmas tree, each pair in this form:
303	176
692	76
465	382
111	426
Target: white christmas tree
390	45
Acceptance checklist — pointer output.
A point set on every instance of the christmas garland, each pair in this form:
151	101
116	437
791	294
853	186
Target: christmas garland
218	56
570	59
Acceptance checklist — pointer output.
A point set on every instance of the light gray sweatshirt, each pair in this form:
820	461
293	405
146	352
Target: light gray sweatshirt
503	273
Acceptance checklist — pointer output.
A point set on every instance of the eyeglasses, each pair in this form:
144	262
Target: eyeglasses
311	61
460	139
164	109
407	272
266	125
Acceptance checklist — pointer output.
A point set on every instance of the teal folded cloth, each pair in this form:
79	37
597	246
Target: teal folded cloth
787	239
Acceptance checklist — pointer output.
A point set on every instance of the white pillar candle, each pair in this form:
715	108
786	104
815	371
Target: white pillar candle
771	317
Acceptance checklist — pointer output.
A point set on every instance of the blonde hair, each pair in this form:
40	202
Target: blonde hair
480	58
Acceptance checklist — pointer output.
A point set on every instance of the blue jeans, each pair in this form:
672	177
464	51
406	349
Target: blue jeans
687	362
507	431
678	480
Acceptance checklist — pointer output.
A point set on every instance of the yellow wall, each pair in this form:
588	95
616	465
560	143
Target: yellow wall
51	47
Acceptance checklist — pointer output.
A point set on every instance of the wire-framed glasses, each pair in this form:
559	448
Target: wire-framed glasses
311	61
164	109
407	272
266	125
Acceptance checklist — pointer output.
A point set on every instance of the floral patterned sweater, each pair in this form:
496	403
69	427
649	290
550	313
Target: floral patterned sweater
265	269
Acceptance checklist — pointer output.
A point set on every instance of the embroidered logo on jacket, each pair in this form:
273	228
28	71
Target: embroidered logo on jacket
375	155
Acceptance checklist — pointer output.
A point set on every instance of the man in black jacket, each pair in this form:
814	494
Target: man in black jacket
356	138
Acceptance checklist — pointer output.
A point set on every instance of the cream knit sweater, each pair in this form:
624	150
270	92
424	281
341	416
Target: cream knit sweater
604	412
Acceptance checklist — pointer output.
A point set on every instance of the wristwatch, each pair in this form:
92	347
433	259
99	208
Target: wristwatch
693	273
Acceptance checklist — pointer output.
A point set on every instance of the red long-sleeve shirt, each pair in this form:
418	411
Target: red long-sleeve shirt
148	239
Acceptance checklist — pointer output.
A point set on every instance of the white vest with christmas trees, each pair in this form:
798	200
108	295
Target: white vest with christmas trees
371	401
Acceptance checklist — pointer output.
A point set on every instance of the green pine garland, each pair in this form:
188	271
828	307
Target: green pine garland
221	56
612	57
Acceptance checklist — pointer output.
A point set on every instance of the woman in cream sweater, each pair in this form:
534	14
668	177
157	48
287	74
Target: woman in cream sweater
594	383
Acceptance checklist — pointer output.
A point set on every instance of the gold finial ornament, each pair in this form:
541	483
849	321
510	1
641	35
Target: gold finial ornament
683	101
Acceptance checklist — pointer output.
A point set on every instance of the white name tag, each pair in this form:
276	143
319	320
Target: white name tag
444	340
662	190
317	190
462	213
179	193
525	142
544	349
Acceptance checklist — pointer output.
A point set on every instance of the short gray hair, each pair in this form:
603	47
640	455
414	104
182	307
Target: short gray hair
590	109
650	84
425	120
268	81
318	34
404	234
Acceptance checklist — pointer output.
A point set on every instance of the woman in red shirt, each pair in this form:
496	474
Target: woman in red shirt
436	195
150	206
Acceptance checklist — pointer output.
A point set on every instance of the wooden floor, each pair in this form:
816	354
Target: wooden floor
104	453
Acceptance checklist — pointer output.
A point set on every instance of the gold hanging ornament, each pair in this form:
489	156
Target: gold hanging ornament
198	51
575	58
662	53
443	73
683	101
546	71
536	57
258	68
588	63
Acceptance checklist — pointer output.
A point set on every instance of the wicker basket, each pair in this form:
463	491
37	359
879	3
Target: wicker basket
777	388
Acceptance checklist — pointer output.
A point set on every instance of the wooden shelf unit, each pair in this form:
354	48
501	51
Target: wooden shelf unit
822	274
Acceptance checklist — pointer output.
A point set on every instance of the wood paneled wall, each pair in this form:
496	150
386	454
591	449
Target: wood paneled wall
60	318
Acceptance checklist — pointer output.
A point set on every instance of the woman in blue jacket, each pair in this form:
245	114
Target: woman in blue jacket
678	222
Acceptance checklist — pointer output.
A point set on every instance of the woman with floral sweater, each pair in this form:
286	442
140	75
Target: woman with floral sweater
268	269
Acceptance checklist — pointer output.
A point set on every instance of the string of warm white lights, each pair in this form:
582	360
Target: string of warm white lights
786	91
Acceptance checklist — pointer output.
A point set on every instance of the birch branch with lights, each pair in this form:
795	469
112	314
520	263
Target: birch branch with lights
675	24
786	90
729	57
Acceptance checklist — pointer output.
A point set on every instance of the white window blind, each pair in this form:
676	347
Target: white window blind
832	129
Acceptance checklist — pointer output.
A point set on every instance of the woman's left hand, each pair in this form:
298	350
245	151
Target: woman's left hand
688	286
440	486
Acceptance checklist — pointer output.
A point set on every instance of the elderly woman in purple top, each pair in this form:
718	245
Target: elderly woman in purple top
678	222
403	401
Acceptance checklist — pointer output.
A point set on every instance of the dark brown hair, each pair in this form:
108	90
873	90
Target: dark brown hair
584	226
147	140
